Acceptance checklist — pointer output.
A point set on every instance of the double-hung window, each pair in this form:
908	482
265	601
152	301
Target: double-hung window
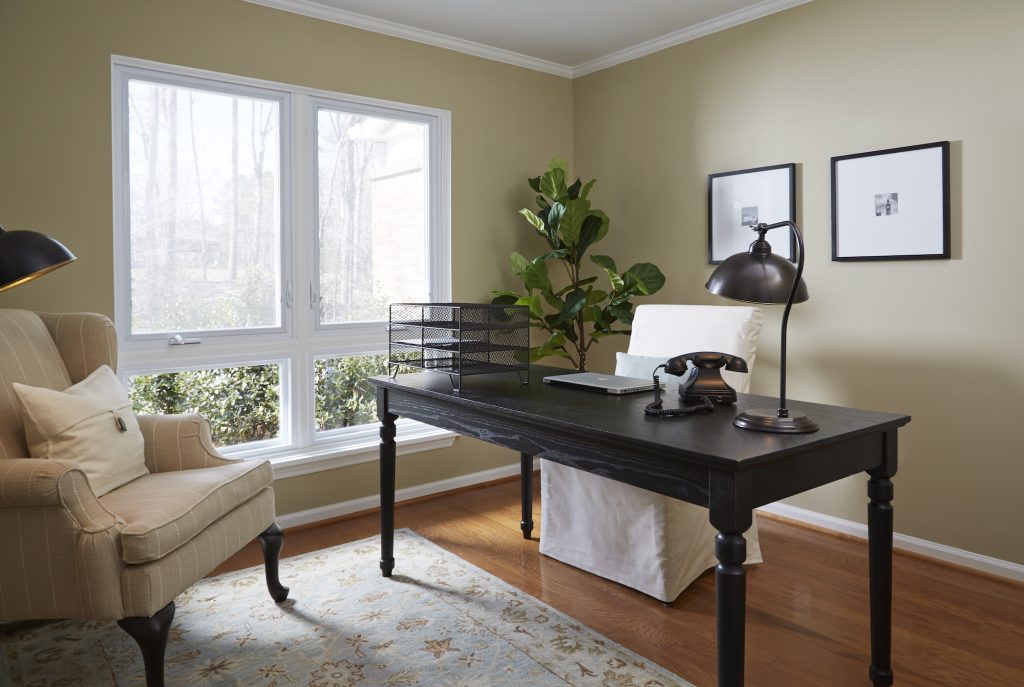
261	230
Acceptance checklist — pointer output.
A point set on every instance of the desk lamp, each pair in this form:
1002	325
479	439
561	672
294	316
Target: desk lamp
25	255
760	276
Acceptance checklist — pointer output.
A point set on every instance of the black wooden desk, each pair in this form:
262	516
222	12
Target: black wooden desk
701	459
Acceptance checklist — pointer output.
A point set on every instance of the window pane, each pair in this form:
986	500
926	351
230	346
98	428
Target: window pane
372	215
242	403
204	193
343	397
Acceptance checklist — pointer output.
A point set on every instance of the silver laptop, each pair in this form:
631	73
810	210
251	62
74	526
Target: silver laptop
609	384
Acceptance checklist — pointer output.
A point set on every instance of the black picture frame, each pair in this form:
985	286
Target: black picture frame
929	225
720	187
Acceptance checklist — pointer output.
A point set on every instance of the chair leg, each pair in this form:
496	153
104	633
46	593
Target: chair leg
151	636
272	539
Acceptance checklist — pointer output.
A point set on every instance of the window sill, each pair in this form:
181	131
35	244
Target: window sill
311	460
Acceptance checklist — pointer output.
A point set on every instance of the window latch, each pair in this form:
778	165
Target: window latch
179	340
315	299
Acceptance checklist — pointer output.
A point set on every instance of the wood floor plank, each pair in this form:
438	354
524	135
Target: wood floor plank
807	612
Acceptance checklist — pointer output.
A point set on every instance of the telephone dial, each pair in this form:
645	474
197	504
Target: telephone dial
701	387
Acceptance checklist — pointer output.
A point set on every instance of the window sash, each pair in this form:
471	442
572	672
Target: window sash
300	339
122	75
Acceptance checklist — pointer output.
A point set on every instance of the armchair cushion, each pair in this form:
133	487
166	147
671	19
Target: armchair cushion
163	511
89	425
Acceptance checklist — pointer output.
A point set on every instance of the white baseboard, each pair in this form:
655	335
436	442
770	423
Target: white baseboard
923	547
334	510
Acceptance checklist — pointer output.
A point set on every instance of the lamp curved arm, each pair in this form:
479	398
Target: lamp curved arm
783	411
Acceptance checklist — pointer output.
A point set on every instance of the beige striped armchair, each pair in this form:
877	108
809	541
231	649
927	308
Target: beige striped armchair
125	556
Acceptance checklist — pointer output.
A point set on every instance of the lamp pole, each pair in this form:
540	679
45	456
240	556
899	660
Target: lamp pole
783	411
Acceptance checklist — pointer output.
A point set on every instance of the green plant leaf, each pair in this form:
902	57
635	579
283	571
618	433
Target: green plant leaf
555	345
533	303
623	312
603	231
574	190
572	220
596	296
552	184
647	277
534	183
559	163
536	221
560	253
586	188
504	297
553	300
576	285
554	218
608	265
589	233
519	263
535	276
574	302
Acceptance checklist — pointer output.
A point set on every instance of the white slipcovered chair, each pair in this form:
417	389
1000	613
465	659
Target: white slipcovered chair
652	543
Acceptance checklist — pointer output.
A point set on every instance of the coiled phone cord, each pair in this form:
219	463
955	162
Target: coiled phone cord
654	408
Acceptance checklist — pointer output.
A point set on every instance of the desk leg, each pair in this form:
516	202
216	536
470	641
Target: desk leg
387	493
880	563
731	602
526	493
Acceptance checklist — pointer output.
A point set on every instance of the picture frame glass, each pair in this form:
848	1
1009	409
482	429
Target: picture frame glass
739	200
891	204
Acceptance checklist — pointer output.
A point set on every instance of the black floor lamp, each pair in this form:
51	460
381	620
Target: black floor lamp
760	276
25	255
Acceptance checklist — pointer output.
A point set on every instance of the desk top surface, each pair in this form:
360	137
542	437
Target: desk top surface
705	437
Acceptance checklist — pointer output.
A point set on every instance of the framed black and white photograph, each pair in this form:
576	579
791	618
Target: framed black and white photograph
891	204
739	200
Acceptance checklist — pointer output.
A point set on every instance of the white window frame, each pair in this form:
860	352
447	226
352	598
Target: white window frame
300	338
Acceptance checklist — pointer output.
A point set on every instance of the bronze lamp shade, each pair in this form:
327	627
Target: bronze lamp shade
760	276
25	255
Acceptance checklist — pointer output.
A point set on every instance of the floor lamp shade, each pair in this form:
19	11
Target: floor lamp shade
25	255
760	276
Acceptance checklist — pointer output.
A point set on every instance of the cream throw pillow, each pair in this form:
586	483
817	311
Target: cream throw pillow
90	425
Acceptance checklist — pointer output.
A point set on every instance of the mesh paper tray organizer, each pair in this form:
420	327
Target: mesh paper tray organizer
459	339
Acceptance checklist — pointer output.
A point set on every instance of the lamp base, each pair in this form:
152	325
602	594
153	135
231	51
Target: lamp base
768	420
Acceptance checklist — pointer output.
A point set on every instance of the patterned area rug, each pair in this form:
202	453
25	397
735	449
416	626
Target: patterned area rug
441	622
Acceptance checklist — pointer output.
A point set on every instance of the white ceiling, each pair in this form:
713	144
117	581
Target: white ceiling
565	37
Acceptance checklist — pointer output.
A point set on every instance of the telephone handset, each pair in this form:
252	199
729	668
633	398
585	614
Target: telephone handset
702	386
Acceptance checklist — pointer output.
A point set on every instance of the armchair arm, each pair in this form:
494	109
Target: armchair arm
33	482
179	442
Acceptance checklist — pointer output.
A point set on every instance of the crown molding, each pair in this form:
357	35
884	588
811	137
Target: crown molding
410	33
726	21
311	8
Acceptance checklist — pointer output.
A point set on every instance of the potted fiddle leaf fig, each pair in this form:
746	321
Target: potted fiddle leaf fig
568	305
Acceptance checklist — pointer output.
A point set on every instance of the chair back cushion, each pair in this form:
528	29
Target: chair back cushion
670	330
28	355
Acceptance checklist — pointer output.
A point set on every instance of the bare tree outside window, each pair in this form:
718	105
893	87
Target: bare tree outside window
371	223
204	196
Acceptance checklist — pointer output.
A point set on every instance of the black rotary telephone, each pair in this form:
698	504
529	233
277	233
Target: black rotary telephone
703	386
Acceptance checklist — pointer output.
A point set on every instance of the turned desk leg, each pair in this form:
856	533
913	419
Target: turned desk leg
526	493
880	518
731	603
387	493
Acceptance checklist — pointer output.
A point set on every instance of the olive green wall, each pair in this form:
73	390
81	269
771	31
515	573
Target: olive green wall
55	148
939	340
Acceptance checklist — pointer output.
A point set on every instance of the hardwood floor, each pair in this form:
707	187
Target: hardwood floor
807	606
